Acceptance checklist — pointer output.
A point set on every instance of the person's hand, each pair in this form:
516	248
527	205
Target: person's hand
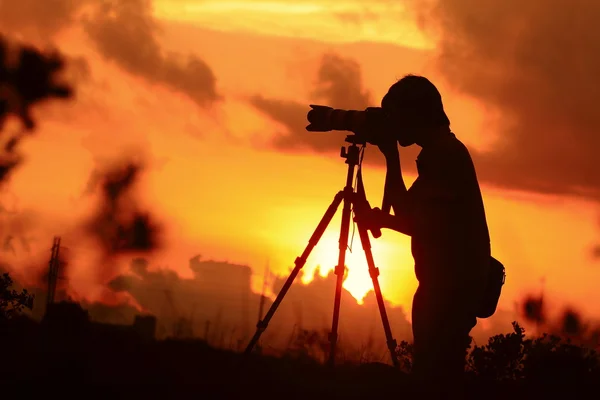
387	144
372	219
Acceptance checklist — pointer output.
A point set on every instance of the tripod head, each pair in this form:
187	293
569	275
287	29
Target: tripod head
353	156
352	152
357	138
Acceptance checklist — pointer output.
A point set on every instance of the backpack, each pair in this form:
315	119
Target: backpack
491	296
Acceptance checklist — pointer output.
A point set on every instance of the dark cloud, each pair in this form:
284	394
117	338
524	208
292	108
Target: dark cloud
338	84
291	115
536	63
27	77
126	32
120	225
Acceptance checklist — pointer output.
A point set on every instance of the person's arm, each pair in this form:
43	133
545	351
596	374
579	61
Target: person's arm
399	223
394	188
396	198
439	185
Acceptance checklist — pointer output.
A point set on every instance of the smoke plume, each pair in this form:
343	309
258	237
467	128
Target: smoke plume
119	225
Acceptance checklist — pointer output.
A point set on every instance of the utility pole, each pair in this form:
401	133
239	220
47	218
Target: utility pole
53	272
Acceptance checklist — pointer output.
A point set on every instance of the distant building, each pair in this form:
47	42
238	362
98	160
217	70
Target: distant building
225	286
216	275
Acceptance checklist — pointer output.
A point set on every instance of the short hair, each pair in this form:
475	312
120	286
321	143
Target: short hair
420	95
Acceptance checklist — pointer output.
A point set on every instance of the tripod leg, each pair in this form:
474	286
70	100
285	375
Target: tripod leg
339	271
299	263
374	272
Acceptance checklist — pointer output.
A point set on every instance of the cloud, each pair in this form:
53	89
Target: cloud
15	230
357	18
536	65
119	225
126	32
338	84
39	18
27	77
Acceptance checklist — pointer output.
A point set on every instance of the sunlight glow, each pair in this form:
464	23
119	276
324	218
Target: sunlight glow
325	21
358	282
255	6
388	254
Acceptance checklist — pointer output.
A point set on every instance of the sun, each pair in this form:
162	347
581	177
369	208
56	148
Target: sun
391	253
358	282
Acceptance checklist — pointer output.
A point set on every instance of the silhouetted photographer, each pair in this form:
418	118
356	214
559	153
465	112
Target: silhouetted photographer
443	212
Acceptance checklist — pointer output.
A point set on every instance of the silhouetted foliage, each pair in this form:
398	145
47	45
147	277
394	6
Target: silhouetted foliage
501	358
546	358
12	302
513	358
308	345
404	351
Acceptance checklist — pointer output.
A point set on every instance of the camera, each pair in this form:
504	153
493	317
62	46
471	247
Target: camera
366	124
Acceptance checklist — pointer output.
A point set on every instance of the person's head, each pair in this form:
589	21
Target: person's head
416	108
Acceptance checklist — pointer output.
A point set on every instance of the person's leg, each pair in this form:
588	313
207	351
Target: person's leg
441	326
421	327
453	340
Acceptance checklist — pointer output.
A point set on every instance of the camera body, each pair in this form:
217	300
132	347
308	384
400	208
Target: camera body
366	124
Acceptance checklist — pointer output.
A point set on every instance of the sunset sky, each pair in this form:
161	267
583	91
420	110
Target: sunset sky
212	95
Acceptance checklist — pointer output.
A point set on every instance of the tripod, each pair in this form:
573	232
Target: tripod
352	200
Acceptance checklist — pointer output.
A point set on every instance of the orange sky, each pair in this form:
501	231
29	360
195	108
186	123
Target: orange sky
224	193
